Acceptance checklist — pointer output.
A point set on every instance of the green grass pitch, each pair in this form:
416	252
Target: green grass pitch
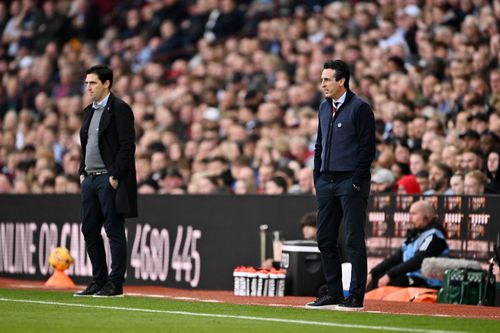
45	311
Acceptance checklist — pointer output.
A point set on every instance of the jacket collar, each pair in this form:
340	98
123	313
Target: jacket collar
105	118
102	104
348	95
90	107
415	233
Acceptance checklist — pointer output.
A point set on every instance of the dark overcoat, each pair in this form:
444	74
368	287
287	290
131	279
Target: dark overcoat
117	148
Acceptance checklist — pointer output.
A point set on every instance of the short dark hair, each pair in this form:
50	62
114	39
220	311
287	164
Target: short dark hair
448	172
71	178
308	219
341	70
286	171
401	117
103	72
422	174
424	153
280	182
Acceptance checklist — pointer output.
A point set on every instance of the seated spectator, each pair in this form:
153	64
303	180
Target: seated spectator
308	225
147	186
21	186
407	185
244	186
474	183
439	178
219	166
204	184
171	41
48	186
418	161
471	138
5	184
60	183
287	174
382	181
492	173
425	239
49	26
400	169
265	173
457	184
171	182
276	185
228	20
471	160
72	184
489	142
449	156
305	184
479	123
299	150
422	178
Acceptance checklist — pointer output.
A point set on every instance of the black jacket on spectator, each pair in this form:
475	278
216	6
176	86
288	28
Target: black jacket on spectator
493	185
49	29
228	24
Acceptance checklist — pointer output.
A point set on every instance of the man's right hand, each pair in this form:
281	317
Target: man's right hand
82	177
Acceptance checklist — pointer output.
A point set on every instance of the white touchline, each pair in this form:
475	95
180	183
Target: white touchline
212	315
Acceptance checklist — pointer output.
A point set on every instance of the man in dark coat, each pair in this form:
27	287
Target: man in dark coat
344	151
107	175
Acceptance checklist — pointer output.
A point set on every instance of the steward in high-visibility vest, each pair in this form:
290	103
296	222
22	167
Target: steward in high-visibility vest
426	239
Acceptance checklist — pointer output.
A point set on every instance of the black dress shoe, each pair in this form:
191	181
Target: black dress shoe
326	302
110	290
350	304
92	289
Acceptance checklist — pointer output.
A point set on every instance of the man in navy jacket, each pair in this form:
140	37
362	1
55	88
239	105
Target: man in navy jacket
344	151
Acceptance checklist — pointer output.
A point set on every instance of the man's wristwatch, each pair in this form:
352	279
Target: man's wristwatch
356	187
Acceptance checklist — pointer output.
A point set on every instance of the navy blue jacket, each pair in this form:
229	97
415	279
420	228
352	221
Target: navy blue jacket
347	142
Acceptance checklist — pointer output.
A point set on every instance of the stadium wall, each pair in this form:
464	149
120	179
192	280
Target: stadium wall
196	241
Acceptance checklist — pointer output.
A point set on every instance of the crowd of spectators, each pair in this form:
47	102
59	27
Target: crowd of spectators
225	92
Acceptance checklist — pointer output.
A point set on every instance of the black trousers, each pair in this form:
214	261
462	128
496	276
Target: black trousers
98	209
338	201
